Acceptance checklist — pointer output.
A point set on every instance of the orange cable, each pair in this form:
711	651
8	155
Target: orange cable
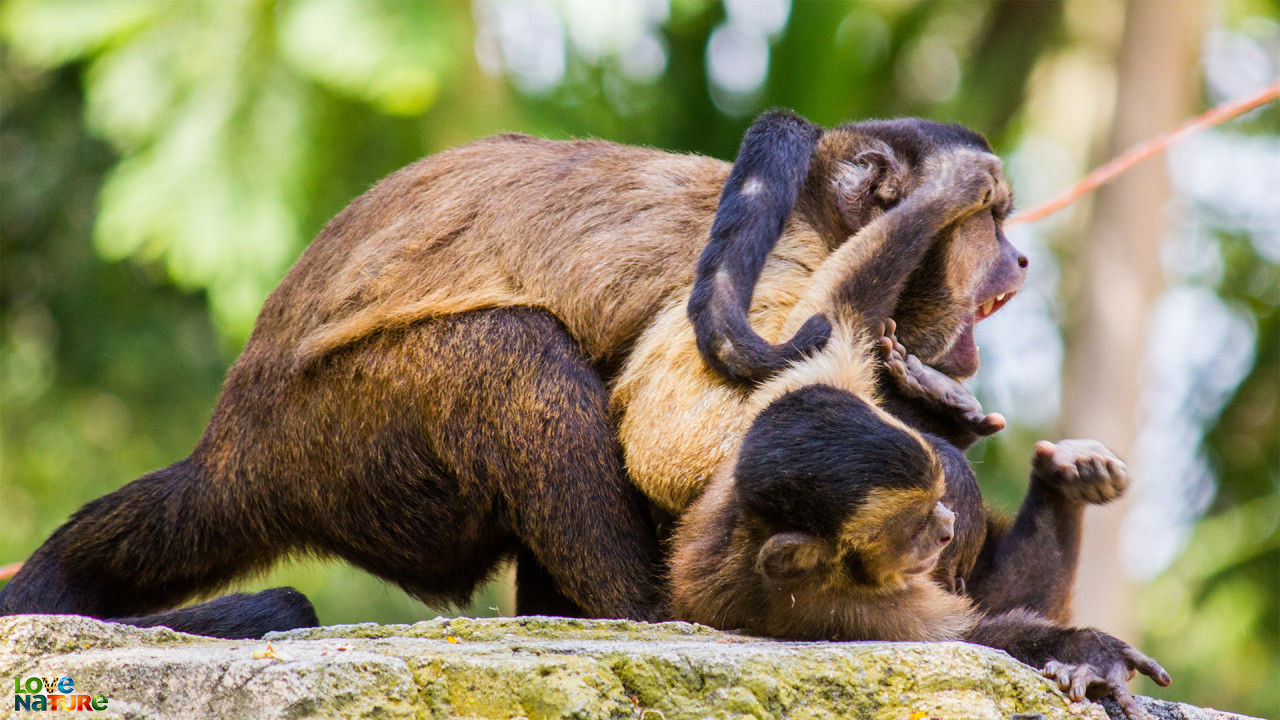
1145	150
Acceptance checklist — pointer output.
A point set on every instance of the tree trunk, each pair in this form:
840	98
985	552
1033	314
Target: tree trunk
1120	263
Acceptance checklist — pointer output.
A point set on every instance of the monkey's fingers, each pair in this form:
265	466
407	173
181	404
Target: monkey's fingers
1144	664
1117	684
1042	460
1059	673
1128	705
888	343
990	424
1084	677
885	346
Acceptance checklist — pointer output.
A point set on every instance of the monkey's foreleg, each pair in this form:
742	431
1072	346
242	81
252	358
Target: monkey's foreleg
1033	564
865	276
1083	661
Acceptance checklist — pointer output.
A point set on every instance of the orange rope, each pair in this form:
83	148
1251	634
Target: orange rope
1142	151
8	571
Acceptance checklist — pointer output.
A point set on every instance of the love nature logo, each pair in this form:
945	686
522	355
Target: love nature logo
37	693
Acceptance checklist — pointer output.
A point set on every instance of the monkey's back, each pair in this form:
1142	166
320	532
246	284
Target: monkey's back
601	235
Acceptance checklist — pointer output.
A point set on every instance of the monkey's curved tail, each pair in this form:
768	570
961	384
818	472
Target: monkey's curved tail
758	197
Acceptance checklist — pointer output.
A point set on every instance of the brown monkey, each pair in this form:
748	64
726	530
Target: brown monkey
678	418
434	357
826	525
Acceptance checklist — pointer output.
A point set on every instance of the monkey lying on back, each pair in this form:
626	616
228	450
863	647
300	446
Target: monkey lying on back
826	525
682	425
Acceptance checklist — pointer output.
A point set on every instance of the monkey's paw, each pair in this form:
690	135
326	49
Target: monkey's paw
916	380
1082	470
1099	666
966	180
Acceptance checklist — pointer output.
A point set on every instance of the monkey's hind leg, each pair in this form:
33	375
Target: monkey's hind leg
1032	563
515	422
161	539
567	495
536	591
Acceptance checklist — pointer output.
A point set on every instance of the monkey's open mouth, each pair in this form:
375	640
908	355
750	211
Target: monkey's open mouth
989	308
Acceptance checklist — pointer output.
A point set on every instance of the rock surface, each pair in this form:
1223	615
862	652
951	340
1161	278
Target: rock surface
528	667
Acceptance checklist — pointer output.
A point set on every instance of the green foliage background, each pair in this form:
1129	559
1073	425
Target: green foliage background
164	163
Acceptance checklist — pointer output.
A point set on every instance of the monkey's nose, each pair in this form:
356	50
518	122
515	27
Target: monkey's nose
946	523
1023	262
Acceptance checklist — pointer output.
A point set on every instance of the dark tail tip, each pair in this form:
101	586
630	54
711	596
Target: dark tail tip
238	616
745	357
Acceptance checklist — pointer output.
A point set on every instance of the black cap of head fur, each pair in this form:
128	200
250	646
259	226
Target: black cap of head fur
915	139
810	458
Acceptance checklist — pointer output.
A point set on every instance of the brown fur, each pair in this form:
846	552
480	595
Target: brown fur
717	579
411	388
599	234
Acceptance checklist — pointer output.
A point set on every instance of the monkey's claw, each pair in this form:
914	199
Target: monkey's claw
1088	681
916	380
1082	470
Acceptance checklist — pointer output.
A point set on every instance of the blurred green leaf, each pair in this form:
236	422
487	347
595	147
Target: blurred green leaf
395	55
52	32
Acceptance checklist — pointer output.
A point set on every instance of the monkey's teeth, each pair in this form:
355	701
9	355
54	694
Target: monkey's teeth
986	307
1001	297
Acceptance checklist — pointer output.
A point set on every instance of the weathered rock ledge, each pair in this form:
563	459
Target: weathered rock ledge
528	667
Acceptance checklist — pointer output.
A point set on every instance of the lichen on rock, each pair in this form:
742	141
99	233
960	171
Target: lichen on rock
531	667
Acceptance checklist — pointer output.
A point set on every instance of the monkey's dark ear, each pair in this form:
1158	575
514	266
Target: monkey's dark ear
875	178
789	555
754	206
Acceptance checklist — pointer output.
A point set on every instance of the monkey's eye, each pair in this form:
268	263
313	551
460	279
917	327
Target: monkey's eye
1002	211
923	527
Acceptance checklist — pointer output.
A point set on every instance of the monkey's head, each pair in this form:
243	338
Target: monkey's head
838	495
859	171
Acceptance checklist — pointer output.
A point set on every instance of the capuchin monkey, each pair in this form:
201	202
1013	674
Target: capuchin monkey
441	349
682	423
827	524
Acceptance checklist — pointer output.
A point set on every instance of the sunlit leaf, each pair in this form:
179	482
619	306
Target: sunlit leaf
392	54
51	32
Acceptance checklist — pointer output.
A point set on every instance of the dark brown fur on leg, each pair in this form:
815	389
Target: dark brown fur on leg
495	434
536	592
423	455
170	535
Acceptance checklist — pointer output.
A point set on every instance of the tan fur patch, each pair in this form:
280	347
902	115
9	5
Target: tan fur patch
884	506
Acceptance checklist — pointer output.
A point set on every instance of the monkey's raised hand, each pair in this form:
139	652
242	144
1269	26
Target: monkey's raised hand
1081	470
916	380
964	180
1092	664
